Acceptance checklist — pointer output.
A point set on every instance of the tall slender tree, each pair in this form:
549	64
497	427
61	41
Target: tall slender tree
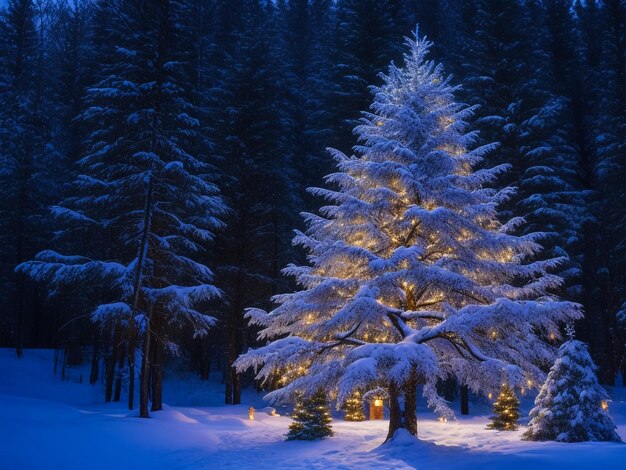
141	191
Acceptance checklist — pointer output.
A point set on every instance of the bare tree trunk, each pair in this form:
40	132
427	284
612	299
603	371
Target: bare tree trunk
157	363
141	257
464	400
205	359
144	382
403	417
95	358
131	370
19	351
19	284
233	391
410	404
120	353
228	390
395	412
109	367
236	388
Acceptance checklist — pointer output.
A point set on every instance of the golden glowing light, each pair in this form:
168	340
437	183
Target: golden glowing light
378	403
251	413
604	405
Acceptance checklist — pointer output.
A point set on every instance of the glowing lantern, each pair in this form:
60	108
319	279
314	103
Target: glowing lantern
376	409
251	413
604	405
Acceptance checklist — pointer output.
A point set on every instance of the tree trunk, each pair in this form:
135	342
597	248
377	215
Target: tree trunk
95	358
19	351
110	359
205	359
236	388
141	258
395	412
131	371
144	381
157	364
233	392
464	400
410	404
228	390
120	353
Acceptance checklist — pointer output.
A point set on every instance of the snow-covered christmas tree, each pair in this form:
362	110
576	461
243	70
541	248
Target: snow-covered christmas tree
311	418
413	278
572	406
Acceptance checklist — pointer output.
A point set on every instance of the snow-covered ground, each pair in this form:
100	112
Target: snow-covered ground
49	424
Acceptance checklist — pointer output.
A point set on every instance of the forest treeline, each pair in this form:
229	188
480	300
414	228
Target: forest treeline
226	108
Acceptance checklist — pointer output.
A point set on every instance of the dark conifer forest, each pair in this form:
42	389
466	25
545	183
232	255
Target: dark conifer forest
155	157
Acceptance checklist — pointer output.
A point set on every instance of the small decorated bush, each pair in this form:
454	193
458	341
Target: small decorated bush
311	418
353	408
506	409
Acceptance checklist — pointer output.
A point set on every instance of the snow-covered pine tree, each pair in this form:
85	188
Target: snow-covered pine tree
571	406
258	175
506	410
413	278
311	418
144	200
28	160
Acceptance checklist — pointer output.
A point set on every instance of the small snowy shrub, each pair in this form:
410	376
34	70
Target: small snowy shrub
571	406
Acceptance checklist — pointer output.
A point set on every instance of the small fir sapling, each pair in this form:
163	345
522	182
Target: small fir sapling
311	418
353	408
506	409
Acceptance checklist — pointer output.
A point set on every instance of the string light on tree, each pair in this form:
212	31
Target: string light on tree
311	418
506	409
353	408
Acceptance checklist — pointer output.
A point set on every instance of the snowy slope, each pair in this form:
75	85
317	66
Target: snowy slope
46	423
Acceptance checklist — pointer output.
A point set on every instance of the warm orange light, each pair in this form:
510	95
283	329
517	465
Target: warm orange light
604	405
251	413
378	403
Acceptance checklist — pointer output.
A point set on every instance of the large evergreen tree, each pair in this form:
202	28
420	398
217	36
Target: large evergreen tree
145	194
413	278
